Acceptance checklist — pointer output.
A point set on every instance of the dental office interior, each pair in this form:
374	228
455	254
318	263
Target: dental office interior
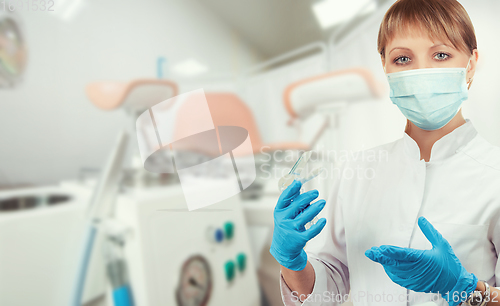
83	221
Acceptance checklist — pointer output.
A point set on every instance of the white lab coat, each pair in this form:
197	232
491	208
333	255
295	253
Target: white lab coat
458	191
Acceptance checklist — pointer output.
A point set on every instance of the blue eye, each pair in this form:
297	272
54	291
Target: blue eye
399	58
442	56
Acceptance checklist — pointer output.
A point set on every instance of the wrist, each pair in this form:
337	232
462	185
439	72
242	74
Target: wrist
480	286
475	283
294	262
470	283
463	289
481	296
299	263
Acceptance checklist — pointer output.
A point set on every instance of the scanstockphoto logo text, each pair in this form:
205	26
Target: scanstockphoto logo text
271	162
384	297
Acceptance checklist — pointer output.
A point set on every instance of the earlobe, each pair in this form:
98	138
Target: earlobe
469	69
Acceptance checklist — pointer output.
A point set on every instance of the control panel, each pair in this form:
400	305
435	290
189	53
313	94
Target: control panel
187	258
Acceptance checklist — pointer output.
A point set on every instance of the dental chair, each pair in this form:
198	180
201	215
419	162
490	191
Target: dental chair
134	97
151	213
228	109
327	95
318	103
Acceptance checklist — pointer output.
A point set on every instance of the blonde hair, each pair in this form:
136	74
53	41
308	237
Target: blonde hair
440	19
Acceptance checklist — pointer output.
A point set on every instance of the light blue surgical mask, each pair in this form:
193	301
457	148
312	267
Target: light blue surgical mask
429	97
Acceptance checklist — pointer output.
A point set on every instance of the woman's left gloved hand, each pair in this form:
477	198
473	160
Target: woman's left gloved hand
437	270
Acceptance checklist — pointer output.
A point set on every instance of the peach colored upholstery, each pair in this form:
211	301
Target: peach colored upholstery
227	109
111	95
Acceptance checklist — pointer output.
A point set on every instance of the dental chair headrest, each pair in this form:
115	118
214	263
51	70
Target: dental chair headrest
134	96
342	86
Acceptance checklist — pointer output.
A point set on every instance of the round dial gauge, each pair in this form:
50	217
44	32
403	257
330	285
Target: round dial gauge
195	283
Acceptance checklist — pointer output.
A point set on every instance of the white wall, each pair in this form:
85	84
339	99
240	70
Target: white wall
48	127
483	106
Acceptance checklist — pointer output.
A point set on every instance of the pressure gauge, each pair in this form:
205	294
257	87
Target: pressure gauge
195	282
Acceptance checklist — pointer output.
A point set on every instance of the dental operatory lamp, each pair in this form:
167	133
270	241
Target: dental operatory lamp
328	94
13	52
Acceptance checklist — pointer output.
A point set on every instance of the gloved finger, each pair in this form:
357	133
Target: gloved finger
399	253
375	255
301	202
431	233
310	212
314	230
292	191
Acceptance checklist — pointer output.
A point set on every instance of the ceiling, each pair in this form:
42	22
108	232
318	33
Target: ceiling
272	27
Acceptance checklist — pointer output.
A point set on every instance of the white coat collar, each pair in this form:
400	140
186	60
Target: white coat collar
446	146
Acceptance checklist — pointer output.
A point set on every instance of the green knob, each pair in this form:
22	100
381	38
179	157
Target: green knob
229	230
241	259
230	268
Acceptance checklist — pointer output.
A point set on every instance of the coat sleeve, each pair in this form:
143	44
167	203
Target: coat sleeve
327	254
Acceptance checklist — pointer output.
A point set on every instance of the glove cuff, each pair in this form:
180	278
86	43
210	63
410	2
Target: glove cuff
462	290
297	263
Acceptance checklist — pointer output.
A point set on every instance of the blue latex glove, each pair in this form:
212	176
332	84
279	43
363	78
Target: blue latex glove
437	270
291	213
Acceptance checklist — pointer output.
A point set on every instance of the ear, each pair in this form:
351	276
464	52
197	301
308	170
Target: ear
472	66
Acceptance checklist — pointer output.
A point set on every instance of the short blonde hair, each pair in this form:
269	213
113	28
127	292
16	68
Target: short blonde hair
440	19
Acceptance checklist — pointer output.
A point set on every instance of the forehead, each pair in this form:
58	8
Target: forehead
416	36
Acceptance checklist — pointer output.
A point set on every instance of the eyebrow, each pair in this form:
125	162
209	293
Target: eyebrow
399	48
437	45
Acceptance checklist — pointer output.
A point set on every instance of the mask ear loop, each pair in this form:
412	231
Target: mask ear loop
470	82
471	79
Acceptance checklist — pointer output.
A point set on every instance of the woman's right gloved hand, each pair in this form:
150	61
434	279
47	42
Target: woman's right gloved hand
291	213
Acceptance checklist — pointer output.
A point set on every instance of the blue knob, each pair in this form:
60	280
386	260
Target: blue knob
219	235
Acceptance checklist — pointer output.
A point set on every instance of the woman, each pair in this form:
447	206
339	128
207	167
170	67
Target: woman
426	227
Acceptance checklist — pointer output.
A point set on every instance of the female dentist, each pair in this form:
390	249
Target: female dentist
424	229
